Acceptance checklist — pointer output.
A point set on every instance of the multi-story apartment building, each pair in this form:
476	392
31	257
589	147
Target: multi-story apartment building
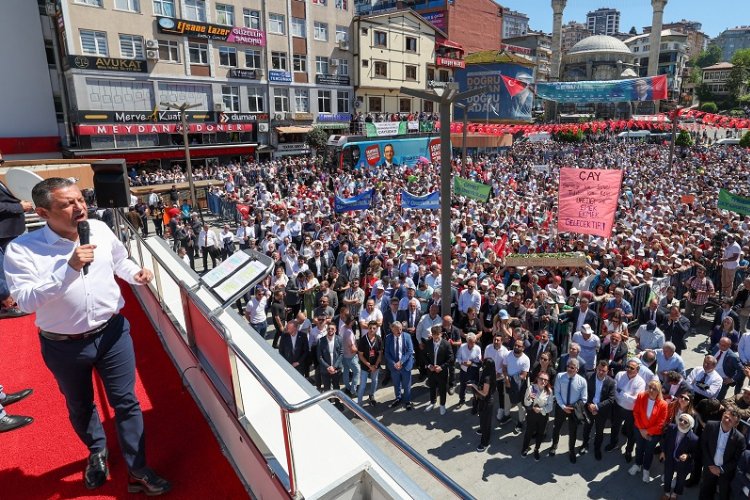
733	39
672	57
475	25
539	47
603	21
514	23
572	33
697	41
259	74
716	77
399	49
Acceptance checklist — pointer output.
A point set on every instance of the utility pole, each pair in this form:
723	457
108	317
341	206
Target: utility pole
182	108
445	96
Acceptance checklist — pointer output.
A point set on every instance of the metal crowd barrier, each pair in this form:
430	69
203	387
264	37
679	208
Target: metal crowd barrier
226	209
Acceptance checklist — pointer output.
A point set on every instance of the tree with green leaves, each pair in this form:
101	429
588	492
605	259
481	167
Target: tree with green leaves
317	138
709	107
633	31
745	141
739	77
684	138
708	57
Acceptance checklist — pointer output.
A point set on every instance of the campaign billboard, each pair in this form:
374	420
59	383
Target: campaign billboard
500	102
650	88
396	152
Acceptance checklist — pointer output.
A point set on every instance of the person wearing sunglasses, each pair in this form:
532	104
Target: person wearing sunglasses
680	447
627	387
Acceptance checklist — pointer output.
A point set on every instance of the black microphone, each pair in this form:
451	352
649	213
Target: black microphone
83	237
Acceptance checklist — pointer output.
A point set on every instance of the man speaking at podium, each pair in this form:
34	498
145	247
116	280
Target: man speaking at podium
70	286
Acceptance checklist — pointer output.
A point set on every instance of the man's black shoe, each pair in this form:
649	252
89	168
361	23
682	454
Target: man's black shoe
628	457
395	403
146	481
16	397
96	470
10	422
552	451
408	407
371	400
598	454
583	450
572	457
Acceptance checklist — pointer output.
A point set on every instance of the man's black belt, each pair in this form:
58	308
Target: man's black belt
78	336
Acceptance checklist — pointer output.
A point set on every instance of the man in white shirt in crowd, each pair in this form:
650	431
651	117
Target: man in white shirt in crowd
627	387
497	351
589	344
256	309
649	336
469	360
704	380
516	366
50	273
730	261
469	297
208	242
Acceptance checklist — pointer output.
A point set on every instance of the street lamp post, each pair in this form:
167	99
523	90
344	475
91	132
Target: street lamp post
463	138
445	97
182	108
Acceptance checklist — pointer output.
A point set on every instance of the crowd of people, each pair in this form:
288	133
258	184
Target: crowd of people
355	292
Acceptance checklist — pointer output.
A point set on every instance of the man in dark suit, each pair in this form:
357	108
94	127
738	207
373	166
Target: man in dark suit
540	346
399	358
601	398
726	311
330	358
727	365
579	316
438	358
615	353
409	320
574	352
675	328
651	313
294	348
741	483
317	265
12	224
681	448
719	468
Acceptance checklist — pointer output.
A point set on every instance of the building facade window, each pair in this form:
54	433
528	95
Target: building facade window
228	57
164	8
404	105
321	65
251	18
381	69
230	96
410	44
255	100
281	100
94	43
131	47
252	59
301	101
343	67
276	24
321	31
198	53
341	4
128	5
195	10
298	27
225	14
428	106
169	50
324	101
410	71
342	101
93	3
278	60
299	63
375	104
380	38
342	34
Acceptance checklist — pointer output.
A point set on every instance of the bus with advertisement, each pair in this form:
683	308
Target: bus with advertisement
347	152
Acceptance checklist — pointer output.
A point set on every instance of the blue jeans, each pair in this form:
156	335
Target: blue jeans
111	355
261	328
351	373
644	450
401	384
363	374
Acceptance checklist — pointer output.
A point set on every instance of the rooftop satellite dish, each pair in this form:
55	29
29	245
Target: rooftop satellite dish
21	181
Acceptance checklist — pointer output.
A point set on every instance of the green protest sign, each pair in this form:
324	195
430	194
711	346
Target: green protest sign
471	189
734	202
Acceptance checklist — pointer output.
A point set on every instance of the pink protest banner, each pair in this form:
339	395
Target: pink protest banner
587	200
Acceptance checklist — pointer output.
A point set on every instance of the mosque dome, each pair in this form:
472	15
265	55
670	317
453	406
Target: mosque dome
599	44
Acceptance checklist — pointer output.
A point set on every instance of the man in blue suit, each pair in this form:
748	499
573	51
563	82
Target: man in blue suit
399	357
727	365
330	358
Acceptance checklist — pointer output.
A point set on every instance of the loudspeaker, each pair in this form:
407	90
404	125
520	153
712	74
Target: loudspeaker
111	184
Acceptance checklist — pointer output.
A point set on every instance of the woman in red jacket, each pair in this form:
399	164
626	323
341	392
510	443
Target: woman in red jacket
650	414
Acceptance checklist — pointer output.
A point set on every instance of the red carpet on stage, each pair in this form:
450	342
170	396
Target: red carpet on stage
45	460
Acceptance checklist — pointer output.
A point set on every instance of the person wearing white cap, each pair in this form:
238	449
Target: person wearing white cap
589	344
680	448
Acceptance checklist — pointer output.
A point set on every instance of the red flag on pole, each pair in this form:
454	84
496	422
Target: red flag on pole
500	246
514	86
244	210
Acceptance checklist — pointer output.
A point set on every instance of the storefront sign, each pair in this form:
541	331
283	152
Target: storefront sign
437	19
107	64
241	117
156	116
296	147
302	117
162	128
515	49
331	80
447	62
245	74
231	34
335	117
277	76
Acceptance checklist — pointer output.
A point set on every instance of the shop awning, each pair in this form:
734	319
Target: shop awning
293	129
447	43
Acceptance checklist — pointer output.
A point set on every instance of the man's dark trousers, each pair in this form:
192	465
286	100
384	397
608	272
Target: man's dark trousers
111	354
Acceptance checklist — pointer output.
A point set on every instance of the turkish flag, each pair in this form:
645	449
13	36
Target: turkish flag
514	86
659	87
244	210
